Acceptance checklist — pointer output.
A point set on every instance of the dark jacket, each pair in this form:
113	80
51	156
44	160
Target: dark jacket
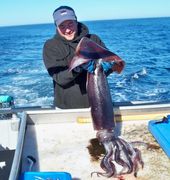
69	87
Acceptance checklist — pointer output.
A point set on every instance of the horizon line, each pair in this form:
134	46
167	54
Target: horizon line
29	24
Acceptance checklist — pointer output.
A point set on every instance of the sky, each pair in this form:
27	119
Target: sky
21	12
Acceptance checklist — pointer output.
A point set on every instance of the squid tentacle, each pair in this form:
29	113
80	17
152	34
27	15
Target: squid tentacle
124	161
139	156
135	157
118	151
126	155
139	161
106	164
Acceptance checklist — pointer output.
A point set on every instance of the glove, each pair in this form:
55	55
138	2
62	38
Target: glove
89	66
107	66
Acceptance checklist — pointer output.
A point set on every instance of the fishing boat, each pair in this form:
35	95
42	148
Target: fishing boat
50	140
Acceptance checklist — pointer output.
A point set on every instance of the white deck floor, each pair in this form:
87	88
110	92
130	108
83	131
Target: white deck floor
63	147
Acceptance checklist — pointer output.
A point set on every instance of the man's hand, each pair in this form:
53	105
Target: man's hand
119	66
89	66
105	65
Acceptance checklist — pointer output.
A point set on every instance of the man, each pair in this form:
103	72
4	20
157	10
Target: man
69	87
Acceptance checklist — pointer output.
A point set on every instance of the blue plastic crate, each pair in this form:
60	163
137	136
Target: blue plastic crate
46	176
161	132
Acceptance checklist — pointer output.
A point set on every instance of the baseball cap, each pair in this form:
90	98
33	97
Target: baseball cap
62	14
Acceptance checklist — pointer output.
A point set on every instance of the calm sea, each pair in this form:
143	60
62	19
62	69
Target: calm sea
144	44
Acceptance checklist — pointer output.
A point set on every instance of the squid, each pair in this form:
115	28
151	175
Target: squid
118	152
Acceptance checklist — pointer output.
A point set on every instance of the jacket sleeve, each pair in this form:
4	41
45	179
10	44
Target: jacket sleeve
56	66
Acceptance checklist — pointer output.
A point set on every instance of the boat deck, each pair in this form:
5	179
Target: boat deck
63	147
58	140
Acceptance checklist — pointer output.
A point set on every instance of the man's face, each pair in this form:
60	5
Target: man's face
68	29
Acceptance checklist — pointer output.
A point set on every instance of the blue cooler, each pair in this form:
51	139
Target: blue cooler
46	176
161	132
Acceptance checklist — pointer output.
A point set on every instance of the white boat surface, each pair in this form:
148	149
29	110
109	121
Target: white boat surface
58	139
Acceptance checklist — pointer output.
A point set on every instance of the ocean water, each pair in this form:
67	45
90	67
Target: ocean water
144	44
